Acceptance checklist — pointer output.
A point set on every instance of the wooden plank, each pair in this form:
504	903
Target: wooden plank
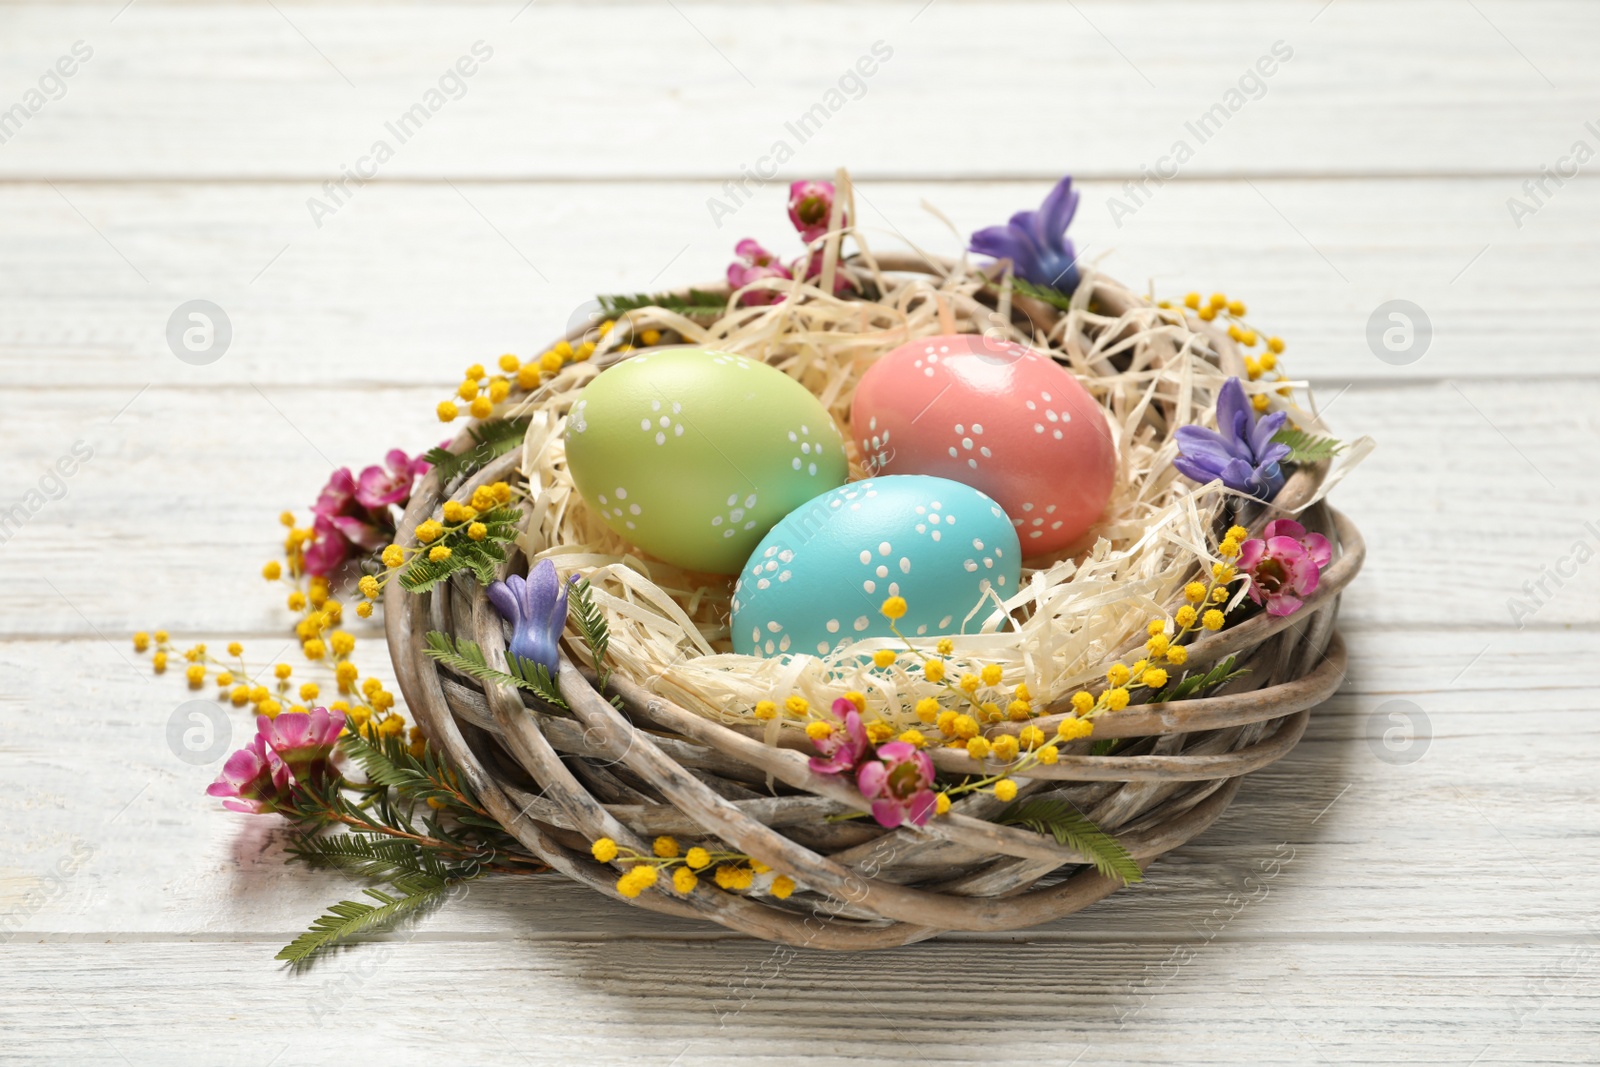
1341	822
577	90
409	283
181	498
743	1003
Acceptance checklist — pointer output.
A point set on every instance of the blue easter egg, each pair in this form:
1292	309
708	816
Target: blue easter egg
818	579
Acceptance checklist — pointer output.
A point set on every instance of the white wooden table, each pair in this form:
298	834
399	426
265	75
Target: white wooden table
1434	898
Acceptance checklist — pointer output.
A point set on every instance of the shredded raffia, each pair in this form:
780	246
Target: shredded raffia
670	628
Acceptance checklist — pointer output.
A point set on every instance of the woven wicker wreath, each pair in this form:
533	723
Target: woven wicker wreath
648	764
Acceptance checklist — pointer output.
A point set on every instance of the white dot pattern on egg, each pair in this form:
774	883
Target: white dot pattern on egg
1000	417
711	449
821	575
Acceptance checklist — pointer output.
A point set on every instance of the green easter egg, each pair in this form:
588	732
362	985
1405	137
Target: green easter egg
693	454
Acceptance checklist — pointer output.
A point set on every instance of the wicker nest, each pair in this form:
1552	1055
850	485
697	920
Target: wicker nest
651	764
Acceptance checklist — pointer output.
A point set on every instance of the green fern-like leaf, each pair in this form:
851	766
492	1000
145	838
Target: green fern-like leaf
492	439
697	303
1193	684
1305	447
1070	827
1054	297
465	656
591	624
423	574
417	891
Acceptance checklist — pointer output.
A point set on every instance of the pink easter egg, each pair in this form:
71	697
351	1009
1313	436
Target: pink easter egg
995	415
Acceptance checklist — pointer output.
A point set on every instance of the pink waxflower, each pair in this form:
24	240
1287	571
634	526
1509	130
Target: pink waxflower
304	741
377	487
254	779
754	264
813	269
810	207
899	783
842	750
1284	565
343	522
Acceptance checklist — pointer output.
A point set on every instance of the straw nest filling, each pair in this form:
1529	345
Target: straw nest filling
1151	369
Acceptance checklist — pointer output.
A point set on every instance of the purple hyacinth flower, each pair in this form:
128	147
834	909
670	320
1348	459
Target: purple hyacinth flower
536	607
1036	241
1240	451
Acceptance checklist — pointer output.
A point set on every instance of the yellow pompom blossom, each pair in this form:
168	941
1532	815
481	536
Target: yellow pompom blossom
342	642
509	363
481	408
945	646
1212	620
550	362
1082	702
224	679
1223	572
528	376
1177	655
1157	645
196	676
141	641
758	867
1030	737
665	847
438	553
429	531
913	737
1260	402
346	674
467	390
684	880
1156	626
1207	313
1005	747
1185	616
1154	677
979	747
1191	300
368	586
314	648
1236	533
782	886
933	670
894	608
1048	755
1071	729
941	804
309	691
447	411
991	711
734	877
1116	698
991	674
970	683
604	850
636	881
272	571
964	726
797	706
240	696
765	710
282	671
884	657
1195	591
1019	711
927	709
818	730
698	858
1218	595
1228	549
1118	674
477	531
499	389
1022	692
879	731
1005	790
